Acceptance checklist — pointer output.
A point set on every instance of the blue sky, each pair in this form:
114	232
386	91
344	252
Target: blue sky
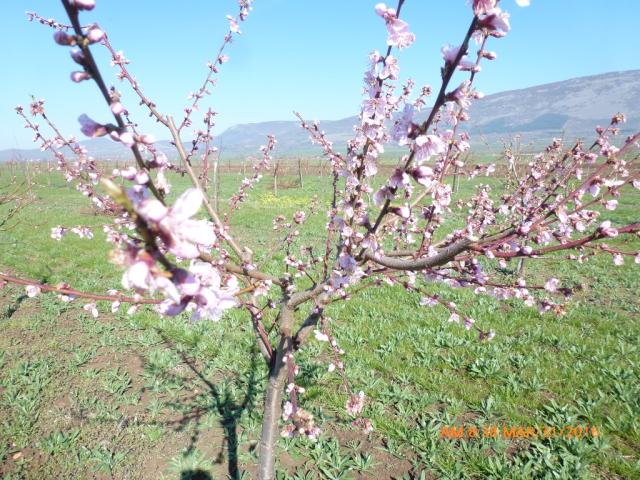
293	54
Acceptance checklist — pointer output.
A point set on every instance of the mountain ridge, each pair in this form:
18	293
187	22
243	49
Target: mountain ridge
569	108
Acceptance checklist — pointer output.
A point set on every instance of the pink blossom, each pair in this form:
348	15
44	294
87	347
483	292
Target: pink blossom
33	291
321	337
58	232
91	308
125	137
428	145
611	204
618	259
607	230
138	276
481	7
391	69
399	35
355	403
364	423
552	285
213	299
423	175
287	411
495	20
399	179
402	211
233	24
181	234
299	217
288	431
146	139
83	232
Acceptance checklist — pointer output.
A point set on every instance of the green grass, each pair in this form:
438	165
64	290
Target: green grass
146	397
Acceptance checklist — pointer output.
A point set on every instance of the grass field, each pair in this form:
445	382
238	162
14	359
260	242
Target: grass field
141	397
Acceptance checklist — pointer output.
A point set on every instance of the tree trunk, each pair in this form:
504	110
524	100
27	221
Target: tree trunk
270	420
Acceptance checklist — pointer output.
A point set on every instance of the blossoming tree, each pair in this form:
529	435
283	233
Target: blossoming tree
380	229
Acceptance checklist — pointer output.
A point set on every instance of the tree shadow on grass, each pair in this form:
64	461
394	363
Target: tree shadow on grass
229	409
195	475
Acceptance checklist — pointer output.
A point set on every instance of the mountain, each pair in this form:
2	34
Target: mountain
570	108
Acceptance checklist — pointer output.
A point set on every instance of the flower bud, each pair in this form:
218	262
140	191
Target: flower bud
78	56
62	38
83	4
80	76
91	128
95	35
116	108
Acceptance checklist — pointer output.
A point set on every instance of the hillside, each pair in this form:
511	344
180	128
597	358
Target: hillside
570	108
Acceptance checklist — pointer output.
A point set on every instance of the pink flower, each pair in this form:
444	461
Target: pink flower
399	35
460	95
402	211
91	128
399	179
428	145
611	204
321	337
299	217
91	308
32	290
391	69
607	230
58	232
618	260
138	276
146	139
287	411
423	175
450	53
355	403
481	7
212	299
233	24
181	234
552	285
125	137
495	20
